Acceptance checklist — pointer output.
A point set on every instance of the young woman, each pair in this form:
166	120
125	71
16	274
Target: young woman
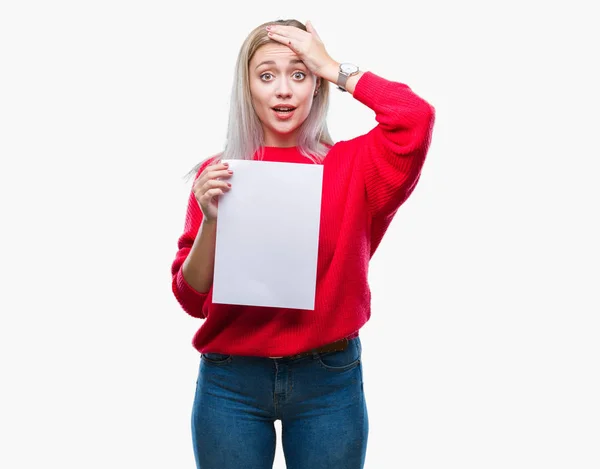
302	367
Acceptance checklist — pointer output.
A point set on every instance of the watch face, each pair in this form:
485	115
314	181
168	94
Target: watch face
348	68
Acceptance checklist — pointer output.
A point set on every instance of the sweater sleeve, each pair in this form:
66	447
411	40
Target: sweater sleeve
190	299
392	154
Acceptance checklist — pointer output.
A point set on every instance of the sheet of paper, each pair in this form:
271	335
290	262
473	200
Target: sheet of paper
268	235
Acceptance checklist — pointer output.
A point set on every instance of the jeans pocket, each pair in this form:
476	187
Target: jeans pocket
342	360
216	358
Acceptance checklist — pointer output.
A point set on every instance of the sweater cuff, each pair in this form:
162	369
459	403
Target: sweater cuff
190	299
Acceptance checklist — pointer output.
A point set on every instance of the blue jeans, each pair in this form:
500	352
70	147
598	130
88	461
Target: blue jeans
319	400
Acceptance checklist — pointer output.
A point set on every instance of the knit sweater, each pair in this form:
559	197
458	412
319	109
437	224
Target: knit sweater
365	180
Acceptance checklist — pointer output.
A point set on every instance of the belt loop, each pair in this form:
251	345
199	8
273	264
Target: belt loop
315	354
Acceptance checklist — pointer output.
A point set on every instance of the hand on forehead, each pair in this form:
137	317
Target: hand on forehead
274	54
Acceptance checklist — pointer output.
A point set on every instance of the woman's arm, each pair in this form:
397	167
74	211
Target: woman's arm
190	276
193	267
198	267
391	154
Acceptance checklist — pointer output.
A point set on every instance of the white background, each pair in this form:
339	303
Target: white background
482	350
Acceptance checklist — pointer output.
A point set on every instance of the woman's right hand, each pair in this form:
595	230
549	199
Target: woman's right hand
208	186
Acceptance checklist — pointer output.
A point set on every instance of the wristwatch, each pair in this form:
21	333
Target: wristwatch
346	71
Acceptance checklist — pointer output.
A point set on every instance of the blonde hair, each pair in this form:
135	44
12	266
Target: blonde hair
244	132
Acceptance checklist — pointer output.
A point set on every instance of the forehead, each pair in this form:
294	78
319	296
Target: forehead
274	52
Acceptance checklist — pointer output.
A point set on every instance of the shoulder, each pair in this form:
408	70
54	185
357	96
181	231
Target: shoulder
351	144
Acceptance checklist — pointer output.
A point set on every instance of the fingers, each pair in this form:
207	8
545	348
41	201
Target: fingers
209	185
223	173
209	195
289	32
213	172
311	29
292	32
290	36
308	46
285	40
216	167
215	184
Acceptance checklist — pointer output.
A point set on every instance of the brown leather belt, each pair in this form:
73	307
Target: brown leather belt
333	347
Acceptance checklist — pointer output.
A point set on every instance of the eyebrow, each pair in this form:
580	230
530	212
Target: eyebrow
272	62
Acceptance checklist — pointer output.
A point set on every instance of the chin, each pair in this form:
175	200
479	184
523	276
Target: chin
284	132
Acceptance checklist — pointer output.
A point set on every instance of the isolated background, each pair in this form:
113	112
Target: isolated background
482	350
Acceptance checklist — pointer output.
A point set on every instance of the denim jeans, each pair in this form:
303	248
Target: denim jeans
319	400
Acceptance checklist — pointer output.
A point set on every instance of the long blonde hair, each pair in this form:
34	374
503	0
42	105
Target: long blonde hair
244	132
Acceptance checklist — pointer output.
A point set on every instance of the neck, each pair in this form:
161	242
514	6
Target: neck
283	141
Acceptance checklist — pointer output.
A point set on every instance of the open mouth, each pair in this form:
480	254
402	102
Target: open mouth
283	109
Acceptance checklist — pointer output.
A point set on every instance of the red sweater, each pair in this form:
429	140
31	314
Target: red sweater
365	180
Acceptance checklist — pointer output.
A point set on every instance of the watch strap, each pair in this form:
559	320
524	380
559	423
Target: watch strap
343	78
341	82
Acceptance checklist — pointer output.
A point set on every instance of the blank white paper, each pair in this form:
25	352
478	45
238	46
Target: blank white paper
268	235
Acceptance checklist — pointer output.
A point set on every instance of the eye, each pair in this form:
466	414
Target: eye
266	76
299	76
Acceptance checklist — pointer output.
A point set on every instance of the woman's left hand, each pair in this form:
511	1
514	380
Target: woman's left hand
306	44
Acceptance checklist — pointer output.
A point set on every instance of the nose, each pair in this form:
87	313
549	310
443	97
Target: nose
283	89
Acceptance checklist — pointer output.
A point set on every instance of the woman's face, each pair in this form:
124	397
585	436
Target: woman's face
282	91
